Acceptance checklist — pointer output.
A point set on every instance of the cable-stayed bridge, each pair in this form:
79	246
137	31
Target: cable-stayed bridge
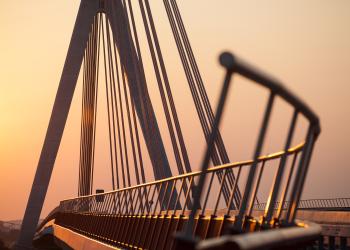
215	207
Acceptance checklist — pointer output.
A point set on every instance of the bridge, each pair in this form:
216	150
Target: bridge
219	206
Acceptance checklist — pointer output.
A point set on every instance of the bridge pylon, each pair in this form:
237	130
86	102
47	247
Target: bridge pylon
113	23
85	18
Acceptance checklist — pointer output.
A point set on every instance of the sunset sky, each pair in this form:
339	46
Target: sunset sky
305	44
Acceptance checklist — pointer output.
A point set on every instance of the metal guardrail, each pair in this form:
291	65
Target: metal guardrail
154	198
152	211
235	66
335	204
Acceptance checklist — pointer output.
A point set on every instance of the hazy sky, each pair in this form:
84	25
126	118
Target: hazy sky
306	44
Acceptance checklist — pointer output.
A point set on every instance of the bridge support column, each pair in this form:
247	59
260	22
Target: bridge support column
87	11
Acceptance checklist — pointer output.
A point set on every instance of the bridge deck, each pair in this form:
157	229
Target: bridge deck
159	228
80	231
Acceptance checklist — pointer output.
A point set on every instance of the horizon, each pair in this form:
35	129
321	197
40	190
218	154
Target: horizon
306	45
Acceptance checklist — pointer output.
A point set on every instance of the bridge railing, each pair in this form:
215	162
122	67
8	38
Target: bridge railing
335	204
158	197
155	213
280	189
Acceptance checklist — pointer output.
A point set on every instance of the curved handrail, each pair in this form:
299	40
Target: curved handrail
235	64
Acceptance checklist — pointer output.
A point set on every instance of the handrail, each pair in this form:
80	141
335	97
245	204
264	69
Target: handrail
235	64
332	204
268	157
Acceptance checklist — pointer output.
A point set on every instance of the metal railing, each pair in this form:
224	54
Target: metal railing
235	66
335	204
155	198
110	217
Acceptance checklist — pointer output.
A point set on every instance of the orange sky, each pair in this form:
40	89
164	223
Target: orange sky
306	44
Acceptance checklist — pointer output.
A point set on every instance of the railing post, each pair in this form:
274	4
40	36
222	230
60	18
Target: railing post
301	175
238	225
185	240
280	171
